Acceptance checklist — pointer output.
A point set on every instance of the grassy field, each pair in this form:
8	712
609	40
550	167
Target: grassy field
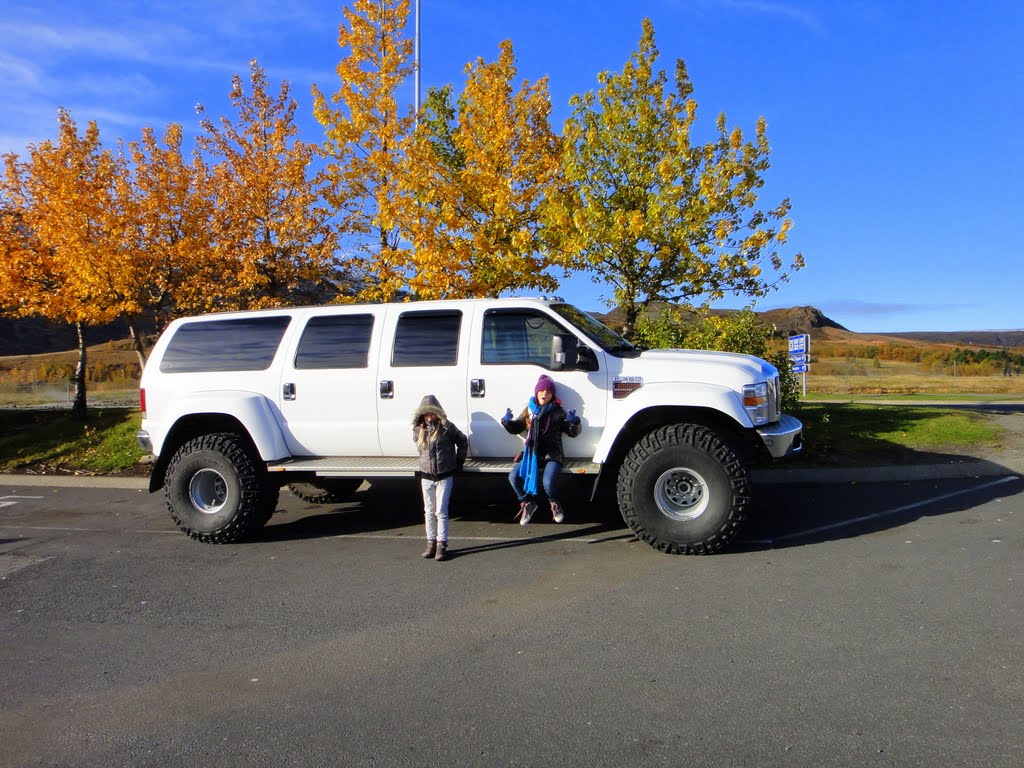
838	430
863	376
43	440
844	434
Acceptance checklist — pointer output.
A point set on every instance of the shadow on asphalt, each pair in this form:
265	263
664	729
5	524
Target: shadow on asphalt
784	515
799	515
387	505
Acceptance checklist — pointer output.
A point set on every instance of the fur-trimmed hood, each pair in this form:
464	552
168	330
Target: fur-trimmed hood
429	404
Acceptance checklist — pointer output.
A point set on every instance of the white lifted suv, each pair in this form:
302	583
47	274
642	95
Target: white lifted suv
236	405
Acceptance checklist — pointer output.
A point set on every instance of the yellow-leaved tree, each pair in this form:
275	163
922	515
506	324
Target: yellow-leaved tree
661	217
273	239
365	129
478	177
169	211
63	234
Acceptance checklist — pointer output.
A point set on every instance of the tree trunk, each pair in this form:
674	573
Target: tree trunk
78	407
630	312
137	343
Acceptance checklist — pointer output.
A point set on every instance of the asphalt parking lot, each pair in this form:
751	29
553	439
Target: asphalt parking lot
854	623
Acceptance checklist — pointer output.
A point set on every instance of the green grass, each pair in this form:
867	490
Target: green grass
838	434
52	440
949	397
858	434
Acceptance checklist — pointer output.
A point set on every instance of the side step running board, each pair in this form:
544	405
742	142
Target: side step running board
405	466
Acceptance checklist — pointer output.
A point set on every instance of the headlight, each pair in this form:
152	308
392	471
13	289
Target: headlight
755	401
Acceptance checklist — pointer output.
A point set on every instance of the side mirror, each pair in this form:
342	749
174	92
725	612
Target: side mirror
567	354
563	352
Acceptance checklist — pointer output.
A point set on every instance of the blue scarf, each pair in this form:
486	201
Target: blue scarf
529	464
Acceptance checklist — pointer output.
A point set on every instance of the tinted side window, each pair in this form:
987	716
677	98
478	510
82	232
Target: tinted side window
518	337
335	341
427	338
241	344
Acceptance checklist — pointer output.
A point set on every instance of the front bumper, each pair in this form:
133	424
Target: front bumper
784	437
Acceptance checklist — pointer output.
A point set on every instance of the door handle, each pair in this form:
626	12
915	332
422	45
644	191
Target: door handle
477	388
387	390
288	391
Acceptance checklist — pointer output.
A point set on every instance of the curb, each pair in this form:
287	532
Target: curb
775	476
76	481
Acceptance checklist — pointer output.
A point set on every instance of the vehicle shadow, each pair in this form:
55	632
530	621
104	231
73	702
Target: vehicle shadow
798	515
395	505
783	515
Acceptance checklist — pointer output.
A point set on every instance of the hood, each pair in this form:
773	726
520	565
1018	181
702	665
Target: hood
429	404
724	368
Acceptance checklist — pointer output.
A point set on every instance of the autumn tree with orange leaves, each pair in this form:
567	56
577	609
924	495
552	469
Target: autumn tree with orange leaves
477	178
273	240
169	210
366	127
62	235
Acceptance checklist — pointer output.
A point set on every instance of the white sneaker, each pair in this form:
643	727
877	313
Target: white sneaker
557	513
526	510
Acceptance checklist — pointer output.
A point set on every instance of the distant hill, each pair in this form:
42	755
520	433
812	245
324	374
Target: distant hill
812	321
966	338
36	336
32	336
787	322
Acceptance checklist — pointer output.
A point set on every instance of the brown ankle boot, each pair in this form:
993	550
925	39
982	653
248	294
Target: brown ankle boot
442	551
431	548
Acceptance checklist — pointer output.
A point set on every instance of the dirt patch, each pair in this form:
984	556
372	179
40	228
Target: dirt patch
1009	451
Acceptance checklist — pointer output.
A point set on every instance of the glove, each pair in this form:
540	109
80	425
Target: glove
571	417
507	418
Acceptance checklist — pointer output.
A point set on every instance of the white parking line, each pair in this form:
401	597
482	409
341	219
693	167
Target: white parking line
880	515
4	503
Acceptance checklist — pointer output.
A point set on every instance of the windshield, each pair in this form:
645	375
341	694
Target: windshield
600	334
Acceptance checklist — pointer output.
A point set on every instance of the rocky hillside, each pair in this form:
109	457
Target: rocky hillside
34	336
812	321
786	322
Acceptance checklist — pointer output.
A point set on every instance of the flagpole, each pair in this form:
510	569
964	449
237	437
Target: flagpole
416	64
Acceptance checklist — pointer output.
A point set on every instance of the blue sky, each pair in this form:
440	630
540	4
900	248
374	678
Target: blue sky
895	124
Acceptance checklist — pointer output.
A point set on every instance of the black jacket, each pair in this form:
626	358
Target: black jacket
547	431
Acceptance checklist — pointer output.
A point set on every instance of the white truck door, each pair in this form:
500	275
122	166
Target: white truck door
511	348
424	352
328	396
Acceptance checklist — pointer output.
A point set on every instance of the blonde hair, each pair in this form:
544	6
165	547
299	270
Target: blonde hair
425	436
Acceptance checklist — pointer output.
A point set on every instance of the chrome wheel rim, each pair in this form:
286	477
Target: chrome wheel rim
681	494
208	491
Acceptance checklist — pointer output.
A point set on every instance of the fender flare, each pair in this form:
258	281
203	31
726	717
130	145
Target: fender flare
668	394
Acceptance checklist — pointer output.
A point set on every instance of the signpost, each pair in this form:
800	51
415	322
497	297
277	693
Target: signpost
800	356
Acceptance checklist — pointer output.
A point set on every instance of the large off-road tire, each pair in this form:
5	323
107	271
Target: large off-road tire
326	490
683	490
216	491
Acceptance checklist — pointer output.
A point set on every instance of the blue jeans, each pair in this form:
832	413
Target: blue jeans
549	480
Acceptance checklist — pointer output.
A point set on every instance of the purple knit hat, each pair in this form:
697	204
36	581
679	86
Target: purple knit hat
544	382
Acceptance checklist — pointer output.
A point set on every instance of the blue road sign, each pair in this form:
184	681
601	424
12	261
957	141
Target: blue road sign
801	368
801	358
799	344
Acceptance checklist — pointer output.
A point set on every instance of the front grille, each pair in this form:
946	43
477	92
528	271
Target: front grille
774	399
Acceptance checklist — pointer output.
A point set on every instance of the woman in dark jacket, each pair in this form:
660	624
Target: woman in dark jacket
442	448
544	421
